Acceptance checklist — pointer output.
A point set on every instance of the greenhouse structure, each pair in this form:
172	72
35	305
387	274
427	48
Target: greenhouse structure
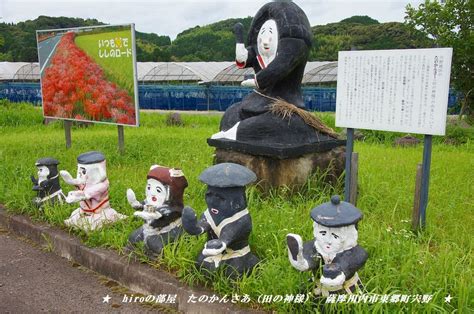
184	85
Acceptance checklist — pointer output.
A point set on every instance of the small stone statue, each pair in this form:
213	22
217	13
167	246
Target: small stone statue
334	245
226	220
161	210
92	191
47	185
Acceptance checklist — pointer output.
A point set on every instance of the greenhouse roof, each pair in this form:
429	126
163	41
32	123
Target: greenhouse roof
324	72
312	74
19	71
183	71
203	72
145	67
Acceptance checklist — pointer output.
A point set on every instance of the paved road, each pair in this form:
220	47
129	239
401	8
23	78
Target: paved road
46	50
33	280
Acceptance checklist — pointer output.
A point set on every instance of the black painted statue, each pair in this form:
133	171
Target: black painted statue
334	247
161	210
47	185
226	220
273	115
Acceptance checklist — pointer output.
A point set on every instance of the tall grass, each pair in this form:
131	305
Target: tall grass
437	261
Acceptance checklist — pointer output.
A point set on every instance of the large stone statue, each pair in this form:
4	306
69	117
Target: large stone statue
47	185
226	221
279	43
92	193
161	210
334	247
272	120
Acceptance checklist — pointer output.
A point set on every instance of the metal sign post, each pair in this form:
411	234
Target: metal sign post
425	179
349	149
67	132
121	139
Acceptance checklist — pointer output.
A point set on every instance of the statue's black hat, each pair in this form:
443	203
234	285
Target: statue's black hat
336	213
90	158
291	21
227	175
47	161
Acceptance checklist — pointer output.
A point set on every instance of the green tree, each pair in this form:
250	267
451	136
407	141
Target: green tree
326	47
363	33
4	56
451	25
214	42
153	38
360	19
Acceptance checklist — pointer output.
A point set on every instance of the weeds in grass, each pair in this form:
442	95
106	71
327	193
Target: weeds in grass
48	246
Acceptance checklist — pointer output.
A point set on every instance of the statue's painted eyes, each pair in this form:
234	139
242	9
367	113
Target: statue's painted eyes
220	198
335	235
158	189
322	233
148	188
83	171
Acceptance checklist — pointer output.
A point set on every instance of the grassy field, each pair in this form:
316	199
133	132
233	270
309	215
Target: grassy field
118	70
437	262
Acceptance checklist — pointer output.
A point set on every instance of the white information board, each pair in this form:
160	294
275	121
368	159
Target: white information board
402	90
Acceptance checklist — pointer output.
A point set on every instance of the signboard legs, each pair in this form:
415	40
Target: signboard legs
421	196
121	139
425	178
67	132
354	178
349	149
415	218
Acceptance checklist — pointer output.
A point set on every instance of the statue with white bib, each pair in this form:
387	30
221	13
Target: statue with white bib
91	192
333	255
160	210
226	221
47	186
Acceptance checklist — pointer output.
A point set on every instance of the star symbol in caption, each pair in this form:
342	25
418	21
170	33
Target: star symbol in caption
106	299
448	299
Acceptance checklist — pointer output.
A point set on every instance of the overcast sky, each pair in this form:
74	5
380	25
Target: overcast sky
170	17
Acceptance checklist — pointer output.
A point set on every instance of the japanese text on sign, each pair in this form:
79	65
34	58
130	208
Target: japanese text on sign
394	90
114	48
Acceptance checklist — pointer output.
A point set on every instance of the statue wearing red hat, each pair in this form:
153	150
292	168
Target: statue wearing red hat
161	210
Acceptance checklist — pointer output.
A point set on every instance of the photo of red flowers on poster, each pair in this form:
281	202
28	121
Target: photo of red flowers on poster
89	74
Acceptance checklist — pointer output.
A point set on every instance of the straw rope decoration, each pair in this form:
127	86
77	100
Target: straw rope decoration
285	110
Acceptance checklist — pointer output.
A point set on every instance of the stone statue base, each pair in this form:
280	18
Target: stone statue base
93	221
290	172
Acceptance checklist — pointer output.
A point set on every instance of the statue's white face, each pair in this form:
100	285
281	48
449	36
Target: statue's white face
329	240
156	193
43	173
92	173
267	40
